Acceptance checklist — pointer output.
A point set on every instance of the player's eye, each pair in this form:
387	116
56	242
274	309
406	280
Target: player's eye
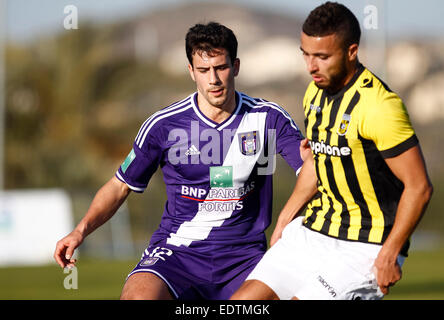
221	68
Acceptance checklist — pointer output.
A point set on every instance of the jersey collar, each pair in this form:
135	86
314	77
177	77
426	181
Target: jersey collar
211	123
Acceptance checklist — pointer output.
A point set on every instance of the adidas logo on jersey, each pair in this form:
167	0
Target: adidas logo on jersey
192	151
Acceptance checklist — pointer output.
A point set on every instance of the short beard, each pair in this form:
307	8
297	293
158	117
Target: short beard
336	82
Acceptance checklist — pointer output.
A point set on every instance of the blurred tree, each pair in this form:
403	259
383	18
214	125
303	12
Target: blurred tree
74	105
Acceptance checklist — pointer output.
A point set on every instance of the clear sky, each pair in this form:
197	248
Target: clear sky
25	19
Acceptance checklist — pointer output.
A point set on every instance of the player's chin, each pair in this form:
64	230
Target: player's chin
219	101
322	84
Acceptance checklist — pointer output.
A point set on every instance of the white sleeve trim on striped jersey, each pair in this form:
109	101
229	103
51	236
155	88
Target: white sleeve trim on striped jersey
148	124
251	102
130	186
298	171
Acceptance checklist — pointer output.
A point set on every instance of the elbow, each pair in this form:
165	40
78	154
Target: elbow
429	191
420	191
426	191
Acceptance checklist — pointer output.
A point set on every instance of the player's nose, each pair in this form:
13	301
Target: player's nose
214	77
312	66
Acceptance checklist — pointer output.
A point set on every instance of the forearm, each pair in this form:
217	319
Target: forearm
409	168
105	203
411	208
303	192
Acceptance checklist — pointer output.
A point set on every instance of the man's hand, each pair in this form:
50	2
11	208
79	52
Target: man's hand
106	202
277	234
409	167
305	150
303	192
387	271
65	249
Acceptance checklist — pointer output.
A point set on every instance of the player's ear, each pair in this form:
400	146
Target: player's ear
353	52
191	70
236	66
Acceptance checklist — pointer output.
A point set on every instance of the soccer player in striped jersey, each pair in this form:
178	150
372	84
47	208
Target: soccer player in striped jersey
216	150
369	184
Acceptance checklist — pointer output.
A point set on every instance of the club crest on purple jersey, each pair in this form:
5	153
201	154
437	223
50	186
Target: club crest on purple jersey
249	143
149	261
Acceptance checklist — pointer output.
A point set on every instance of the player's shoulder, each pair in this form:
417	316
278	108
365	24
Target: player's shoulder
262	105
377	100
375	90
170	113
164	119
276	114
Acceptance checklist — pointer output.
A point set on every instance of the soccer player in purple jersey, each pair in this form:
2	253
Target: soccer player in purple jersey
216	149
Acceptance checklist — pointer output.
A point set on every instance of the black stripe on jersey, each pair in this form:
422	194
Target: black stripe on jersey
326	225
400	148
315	128
345	216
330	173
353	102
386	87
310	109
353	183
315	137
309	222
355	189
387	187
313	216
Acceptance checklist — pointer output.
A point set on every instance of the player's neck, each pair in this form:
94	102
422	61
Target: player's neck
220	113
352	70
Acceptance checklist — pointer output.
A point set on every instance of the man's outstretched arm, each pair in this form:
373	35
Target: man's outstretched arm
303	192
410	168
105	203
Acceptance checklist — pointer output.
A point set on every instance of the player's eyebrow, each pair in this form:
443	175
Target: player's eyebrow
317	54
223	65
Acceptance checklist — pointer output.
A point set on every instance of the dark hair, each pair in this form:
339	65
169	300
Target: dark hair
330	18
209	38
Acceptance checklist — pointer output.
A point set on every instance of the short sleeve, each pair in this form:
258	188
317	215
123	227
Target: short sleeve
288	140
141	163
388	125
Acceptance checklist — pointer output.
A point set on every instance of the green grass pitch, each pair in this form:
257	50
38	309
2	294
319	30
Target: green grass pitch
423	278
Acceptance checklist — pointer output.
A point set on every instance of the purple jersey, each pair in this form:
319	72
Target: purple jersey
218	176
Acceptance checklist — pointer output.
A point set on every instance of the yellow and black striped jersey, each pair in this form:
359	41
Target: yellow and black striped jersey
350	134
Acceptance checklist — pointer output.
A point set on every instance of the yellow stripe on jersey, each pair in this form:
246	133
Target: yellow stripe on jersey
350	134
363	175
341	182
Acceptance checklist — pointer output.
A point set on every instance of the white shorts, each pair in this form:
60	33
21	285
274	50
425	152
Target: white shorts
309	265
